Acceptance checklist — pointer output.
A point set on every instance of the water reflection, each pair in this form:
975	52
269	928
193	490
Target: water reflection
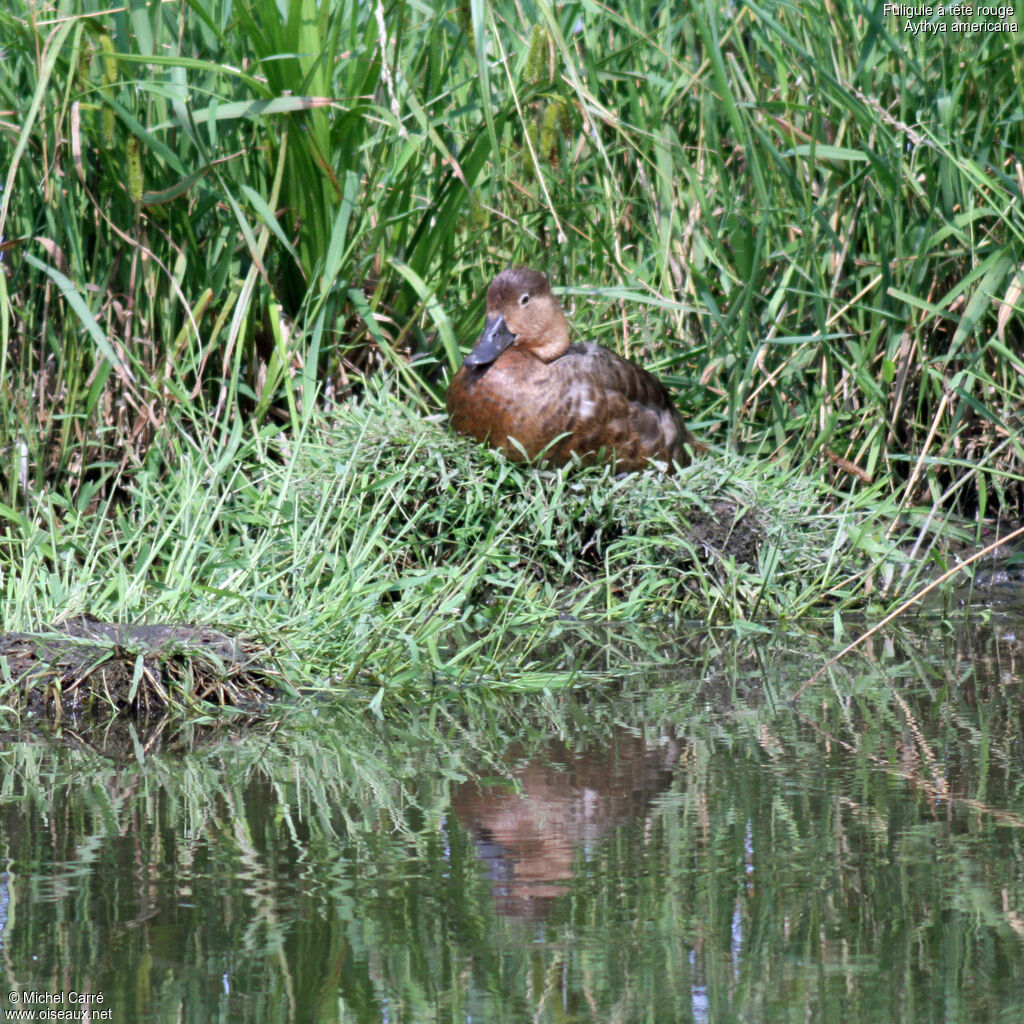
689	849
553	807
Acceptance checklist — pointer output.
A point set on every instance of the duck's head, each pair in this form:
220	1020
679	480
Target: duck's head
521	311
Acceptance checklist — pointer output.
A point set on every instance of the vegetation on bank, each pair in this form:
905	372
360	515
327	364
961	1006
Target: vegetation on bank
807	219
219	220
382	550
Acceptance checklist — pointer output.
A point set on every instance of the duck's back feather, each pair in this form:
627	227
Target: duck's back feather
599	401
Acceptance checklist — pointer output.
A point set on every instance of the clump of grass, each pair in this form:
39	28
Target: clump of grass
363	544
724	538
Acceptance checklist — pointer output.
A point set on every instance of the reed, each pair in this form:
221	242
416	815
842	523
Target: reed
808	218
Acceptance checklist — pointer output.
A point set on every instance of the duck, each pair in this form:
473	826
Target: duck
527	391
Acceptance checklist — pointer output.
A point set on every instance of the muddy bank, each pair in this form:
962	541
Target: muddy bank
117	668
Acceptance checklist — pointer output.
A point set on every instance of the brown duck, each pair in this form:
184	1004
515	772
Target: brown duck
523	382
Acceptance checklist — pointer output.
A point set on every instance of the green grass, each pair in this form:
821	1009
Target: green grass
221	220
808	220
381	550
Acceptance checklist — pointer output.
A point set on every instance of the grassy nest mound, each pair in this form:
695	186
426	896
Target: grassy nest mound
727	536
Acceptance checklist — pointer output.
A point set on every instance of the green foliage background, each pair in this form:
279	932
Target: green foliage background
805	217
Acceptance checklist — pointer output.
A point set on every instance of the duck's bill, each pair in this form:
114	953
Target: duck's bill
495	339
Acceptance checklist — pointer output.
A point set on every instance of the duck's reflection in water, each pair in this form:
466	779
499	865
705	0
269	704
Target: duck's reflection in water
555	806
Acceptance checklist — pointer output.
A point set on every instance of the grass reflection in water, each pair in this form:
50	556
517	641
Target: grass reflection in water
677	845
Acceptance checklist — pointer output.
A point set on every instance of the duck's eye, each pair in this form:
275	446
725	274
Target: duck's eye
524	299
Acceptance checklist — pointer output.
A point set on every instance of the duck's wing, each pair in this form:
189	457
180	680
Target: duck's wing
611	403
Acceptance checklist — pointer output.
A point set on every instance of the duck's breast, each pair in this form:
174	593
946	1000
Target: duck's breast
511	398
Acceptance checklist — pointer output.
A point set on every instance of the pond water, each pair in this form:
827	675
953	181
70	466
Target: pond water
667	841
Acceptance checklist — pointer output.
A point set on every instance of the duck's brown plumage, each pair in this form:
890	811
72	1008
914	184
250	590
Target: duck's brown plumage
524	381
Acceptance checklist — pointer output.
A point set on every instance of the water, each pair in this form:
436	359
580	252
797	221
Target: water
667	845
